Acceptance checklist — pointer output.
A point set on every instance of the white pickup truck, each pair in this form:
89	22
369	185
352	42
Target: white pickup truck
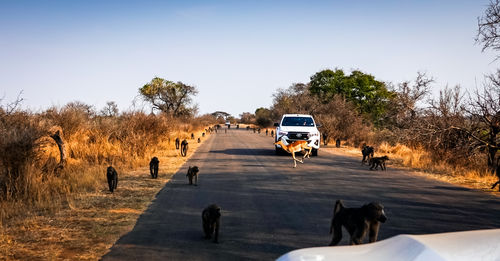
294	127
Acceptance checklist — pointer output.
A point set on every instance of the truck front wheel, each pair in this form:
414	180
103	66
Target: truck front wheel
314	152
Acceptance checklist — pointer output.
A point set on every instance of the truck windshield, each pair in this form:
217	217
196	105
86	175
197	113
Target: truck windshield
298	121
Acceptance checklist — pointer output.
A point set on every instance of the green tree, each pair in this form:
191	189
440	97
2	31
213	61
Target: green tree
369	96
169	97
263	117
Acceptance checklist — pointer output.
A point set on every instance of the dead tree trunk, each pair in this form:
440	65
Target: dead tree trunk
62	150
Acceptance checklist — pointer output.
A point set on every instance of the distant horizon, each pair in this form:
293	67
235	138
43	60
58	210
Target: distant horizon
237	54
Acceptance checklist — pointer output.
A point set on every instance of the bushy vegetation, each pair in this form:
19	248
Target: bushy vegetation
31	173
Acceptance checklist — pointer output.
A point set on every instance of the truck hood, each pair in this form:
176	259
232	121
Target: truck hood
298	128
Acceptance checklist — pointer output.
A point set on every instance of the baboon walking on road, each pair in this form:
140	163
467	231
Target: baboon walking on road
112	177
211	221
153	167
357	221
192	136
199	140
184	148
375	162
193	173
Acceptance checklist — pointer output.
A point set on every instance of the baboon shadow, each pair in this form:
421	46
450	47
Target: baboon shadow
453	188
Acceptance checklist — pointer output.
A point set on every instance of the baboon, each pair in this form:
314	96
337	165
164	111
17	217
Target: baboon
237	126
375	162
153	167
248	127
193	173
258	130
192	136
177	143
272	133
357	222
211	221
199	140
184	148
498	175
367	152
337	143
253	130
267	132
203	134
112	176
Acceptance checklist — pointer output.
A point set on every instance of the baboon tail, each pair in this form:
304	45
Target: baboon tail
339	205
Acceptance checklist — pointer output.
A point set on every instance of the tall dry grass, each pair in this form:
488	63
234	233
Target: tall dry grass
28	156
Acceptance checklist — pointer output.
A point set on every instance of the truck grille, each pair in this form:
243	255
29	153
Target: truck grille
298	135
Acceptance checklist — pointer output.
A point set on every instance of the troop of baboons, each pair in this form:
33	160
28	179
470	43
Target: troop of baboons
373	162
112	177
357	221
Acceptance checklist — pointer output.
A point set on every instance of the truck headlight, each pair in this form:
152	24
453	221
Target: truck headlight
281	133
314	134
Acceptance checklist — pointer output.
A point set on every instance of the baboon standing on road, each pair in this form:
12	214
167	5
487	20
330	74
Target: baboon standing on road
357	221
153	167
367	152
211	221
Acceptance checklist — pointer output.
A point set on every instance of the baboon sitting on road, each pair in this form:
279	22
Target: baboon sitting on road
375	162
184	148
193	173
153	167
211	221
112	176
357	221
367	152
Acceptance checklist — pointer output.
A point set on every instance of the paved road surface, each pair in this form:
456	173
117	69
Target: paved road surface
269	208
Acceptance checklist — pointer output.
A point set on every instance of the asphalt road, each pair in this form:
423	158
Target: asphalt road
270	208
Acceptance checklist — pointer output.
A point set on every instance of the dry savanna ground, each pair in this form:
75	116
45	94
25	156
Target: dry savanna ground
88	224
420	163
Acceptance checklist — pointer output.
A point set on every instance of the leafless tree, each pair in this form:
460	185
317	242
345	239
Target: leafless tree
489	27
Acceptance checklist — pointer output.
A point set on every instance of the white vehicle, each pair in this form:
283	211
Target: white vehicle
294	127
456	246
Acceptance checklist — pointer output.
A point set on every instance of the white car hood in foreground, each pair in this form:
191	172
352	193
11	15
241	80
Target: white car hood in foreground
470	245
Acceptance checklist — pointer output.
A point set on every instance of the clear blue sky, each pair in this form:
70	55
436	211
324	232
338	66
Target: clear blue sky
237	53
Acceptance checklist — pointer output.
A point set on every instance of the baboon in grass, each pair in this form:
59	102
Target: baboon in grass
177	143
192	136
367	152
193	173
357	221
375	162
211	221
112	176
153	167
498	175
184	148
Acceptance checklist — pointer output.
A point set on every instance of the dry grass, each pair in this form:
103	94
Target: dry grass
421	163
83	225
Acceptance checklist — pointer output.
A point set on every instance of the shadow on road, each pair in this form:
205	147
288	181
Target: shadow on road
260	152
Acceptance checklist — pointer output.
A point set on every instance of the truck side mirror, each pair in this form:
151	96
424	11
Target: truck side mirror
318	125
276	124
